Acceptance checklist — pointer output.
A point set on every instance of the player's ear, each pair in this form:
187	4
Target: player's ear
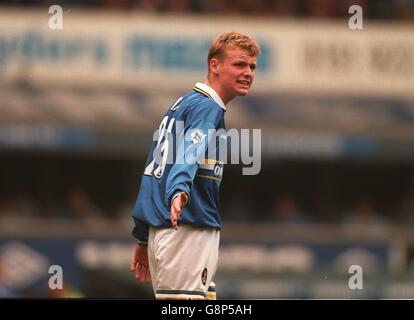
214	66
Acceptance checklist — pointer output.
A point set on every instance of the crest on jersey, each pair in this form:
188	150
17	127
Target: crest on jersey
197	136
204	276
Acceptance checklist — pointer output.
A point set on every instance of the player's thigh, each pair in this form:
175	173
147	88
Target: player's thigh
151	257
186	259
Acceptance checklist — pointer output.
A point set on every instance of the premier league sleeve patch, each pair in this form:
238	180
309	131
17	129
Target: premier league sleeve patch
197	136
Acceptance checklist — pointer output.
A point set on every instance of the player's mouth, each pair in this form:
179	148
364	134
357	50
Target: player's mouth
244	82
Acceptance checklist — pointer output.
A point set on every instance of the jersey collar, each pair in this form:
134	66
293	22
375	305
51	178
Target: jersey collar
210	92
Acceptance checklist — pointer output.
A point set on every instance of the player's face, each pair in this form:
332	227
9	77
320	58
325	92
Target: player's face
236	72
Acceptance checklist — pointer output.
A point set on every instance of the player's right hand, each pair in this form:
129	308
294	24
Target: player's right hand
177	207
139	264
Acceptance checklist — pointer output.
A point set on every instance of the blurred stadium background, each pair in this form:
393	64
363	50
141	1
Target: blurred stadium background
78	107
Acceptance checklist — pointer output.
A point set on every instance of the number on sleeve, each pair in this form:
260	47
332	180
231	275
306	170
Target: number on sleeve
161	149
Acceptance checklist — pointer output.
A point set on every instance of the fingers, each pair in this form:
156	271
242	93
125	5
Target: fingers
139	265
175	213
138	272
134	262
133	265
142	274
148	276
173	219
177	207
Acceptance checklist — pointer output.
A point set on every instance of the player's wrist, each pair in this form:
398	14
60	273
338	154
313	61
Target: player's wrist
185	198
178	194
175	196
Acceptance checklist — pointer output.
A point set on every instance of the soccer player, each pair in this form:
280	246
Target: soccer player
176	215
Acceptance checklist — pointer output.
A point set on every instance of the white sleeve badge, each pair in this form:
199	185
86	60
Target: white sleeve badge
197	136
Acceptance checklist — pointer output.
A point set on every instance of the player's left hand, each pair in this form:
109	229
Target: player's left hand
139	264
177	207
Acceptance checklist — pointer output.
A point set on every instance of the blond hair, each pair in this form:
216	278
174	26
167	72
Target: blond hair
232	40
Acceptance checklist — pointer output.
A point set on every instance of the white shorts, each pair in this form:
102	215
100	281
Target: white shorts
183	262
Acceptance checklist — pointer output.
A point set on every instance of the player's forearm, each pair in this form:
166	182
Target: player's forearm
180	179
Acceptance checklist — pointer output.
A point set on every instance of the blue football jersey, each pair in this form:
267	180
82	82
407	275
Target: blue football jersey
184	157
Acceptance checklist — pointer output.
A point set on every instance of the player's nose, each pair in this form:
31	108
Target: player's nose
248	73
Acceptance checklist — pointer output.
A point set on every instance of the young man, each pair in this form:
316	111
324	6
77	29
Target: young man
176	216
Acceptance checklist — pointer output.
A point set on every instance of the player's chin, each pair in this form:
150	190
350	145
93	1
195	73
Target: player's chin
242	90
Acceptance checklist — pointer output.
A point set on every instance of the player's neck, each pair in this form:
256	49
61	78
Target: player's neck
218	89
